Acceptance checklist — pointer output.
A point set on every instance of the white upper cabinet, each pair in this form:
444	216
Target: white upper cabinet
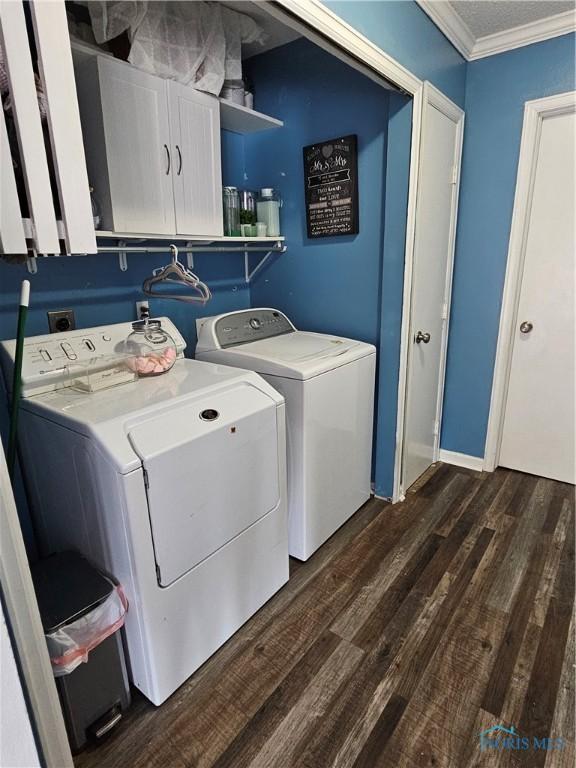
195	129
152	149
128	148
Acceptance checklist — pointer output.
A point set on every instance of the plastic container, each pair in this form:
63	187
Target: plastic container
149	349
233	90
231	204
268	210
247	206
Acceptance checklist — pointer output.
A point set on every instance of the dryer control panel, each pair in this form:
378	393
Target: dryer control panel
242	327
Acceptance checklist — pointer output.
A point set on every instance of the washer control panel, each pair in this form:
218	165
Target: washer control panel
250	325
50	361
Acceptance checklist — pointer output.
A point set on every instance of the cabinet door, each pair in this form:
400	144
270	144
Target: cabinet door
195	126
139	157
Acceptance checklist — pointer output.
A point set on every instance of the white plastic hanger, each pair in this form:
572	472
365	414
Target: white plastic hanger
178	274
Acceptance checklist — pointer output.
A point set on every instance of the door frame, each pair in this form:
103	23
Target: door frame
535	112
430	96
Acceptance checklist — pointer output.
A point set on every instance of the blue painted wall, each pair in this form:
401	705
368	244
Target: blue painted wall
336	284
497	88
99	293
403	30
329	284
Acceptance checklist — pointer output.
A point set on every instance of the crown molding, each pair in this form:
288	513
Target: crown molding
534	32
451	25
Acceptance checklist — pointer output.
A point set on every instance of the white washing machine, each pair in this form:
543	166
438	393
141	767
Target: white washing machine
176	484
328	384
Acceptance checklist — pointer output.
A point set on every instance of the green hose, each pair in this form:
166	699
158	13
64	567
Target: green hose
17	377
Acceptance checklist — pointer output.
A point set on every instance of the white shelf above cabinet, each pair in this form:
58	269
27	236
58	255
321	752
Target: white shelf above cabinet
240	119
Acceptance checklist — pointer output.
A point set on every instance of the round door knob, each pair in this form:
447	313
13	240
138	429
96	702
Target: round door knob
526	327
421	336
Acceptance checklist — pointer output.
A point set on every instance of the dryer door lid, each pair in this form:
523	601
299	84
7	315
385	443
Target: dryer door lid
212	471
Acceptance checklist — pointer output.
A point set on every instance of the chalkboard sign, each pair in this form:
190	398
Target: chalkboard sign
331	179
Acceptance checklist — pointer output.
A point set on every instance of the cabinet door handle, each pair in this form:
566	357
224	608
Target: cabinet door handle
167	158
179	171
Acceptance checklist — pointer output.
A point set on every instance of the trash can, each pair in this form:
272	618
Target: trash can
82	612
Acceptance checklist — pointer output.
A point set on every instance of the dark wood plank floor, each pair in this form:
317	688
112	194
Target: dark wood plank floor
416	627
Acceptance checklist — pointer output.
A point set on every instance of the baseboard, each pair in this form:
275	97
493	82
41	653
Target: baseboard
461	460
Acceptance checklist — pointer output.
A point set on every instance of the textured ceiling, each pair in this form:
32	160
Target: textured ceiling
485	17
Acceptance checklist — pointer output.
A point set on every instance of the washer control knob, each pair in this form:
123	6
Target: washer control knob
68	351
255	323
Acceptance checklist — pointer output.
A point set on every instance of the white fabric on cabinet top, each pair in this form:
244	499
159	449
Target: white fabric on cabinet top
195	43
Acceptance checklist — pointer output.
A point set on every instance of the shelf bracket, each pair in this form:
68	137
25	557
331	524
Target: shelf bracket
190	255
249	275
122	258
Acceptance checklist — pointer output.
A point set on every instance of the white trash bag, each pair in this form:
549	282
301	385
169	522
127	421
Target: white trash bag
70	645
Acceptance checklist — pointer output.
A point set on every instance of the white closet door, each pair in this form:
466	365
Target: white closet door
538	434
12	238
436	211
195	124
18	61
139	155
63	117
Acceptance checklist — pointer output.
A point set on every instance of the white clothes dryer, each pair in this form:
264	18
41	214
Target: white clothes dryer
175	484
328	384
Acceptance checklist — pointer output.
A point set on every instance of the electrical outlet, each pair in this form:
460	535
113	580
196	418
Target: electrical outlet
142	310
61	320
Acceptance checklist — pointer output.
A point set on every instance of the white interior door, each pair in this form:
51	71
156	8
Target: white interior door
197	174
540	417
436	210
